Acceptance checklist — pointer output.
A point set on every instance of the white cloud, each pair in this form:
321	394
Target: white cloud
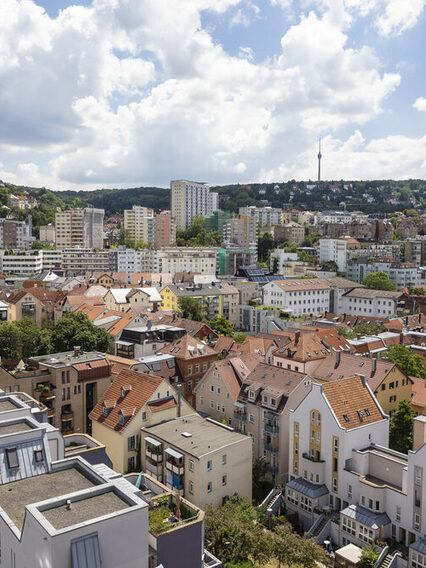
240	18
420	104
133	92
399	16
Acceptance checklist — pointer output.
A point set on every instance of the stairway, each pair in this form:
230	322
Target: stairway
385	563
320	526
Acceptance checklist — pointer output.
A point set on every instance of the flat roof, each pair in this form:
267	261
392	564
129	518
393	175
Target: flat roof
7	405
20	426
67	358
16	495
85	509
204	436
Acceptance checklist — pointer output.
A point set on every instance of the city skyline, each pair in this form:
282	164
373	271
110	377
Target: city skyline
114	94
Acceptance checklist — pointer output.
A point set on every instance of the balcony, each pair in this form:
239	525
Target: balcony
271	429
175	467
269	447
315	459
240	416
154	455
67	415
44	392
50	412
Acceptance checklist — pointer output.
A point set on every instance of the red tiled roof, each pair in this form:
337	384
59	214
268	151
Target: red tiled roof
156	406
187	347
98	363
143	387
351	398
419	393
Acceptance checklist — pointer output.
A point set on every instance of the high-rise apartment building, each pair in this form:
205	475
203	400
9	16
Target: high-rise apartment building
241	231
136	222
15	234
79	227
190	199
142	224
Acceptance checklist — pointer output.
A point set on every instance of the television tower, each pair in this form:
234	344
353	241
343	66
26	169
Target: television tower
319	160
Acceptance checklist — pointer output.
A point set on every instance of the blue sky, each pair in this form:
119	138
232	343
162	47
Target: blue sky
115	93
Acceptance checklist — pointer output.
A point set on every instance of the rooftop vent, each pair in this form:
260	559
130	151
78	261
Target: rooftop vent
186	434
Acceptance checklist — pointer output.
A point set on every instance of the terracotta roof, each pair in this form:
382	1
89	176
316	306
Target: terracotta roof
92	312
306	346
143	387
419	393
343	283
223	344
157	406
229	377
191	326
245	364
187	347
41	294
297	284
352	321
97	364
340	365
119	363
352	402
332	339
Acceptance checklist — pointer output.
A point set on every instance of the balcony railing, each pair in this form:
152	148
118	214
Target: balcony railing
307	456
271	448
241	416
176	468
271	429
156	457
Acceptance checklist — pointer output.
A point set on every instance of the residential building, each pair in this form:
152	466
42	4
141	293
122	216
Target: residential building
230	259
414	251
402	275
15	234
382	230
263	215
132	299
332	420
81	260
302	353
69	384
131	260
241	232
215	298
163	230
201	459
336	250
298	297
216	220
185	259
134	399
364	301
79	228
37	304
388	383
193	358
262	412
135	222
279	258
47	233
21	263
190	199
339	287
51	259
140	339
256	319
56	509
262	346
218	390
158	230
292	232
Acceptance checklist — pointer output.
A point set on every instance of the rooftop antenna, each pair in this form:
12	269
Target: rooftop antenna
319	160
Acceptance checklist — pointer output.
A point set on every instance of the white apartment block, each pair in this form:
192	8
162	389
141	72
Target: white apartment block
203	460
263	215
400	275
333	250
365	302
51	259
47	233
76	260
186	259
21	263
80	227
136	222
298	297
57	510
190	199
241	231
282	258
346	483
335	217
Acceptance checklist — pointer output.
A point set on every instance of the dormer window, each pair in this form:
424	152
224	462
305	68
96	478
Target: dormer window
125	389
121	419
265	399
251	394
273	402
104	411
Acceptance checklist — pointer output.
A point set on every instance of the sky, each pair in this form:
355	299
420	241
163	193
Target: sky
125	93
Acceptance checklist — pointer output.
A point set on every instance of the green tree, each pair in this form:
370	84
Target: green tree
409	362
28	334
378	281
240	337
401	428
265	244
38	245
417	291
9	341
221	325
292	550
369	555
76	329
190	308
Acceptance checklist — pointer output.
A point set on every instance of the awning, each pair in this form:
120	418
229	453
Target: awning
120	342
240	405
173	453
152	441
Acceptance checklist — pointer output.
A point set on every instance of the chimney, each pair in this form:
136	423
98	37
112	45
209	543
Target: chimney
373	366
77	350
338	356
68	504
401	337
296	337
179	404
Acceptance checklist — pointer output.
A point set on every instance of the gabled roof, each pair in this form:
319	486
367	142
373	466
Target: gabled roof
143	387
352	403
44	296
191	326
306	346
342	283
335	367
368	294
187	348
419	393
301	284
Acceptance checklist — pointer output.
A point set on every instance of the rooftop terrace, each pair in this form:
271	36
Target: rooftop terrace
7	405
20	426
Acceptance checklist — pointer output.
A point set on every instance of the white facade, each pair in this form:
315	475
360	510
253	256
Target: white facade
333	250
263	215
23	263
401	276
76	260
299	297
282	257
181	259
363	302
190	199
51	259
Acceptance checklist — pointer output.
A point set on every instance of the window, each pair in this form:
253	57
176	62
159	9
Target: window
224	459
349	491
131	463
63	377
398	513
209	465
63	394
143	416
370	503
38	456
12	458
131	443
209	487
251	418
212	404
191	465
189	385
416	521
191	487
201	400
189	369
296	430
335	445
197	368
251	394
224	479
418	476
334	484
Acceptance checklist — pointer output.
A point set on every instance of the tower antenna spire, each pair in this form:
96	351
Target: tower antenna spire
319	160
